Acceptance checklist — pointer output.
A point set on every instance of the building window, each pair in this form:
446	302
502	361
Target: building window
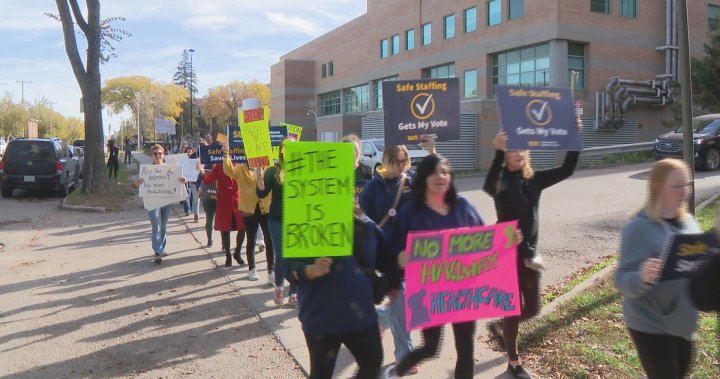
470	16
440	72
323	70
576	62
470	83
529	66
410	39
627	8
330	103
384	48
357	99
449	24
331	70
494	12
713	17
426	34
378	90
396	44
600	6
516	9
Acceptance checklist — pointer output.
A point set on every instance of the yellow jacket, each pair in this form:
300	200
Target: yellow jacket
247	184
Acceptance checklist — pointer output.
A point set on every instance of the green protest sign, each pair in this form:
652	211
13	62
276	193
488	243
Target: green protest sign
318	197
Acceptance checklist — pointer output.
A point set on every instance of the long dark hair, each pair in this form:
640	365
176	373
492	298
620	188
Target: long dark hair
426	168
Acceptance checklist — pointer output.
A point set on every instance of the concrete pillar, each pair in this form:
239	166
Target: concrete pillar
559	63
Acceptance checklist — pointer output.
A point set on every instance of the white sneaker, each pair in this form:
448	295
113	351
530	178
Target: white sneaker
252	275
536	263
389	372
271	277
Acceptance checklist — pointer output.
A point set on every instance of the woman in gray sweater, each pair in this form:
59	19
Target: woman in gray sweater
658	314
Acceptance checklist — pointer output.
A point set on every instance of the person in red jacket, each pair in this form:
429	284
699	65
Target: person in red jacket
227	215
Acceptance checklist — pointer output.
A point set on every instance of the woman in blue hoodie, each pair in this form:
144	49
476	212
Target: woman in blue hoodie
435	205
336	304
659	315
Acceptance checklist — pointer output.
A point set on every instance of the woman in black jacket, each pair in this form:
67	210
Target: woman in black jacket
516	189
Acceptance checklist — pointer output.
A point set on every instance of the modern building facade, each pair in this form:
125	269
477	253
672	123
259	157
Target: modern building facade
624	54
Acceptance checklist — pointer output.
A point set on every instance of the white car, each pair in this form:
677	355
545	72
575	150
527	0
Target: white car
3	144
372	154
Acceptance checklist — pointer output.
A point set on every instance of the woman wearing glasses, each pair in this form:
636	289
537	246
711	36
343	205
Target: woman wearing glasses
159	216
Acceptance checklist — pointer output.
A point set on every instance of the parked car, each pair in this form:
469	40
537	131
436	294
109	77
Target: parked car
79	142
3	145
37	164
706	142
80	156
372	154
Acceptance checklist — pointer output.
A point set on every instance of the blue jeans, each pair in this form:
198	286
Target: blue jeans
194	201
159	219
393	317
279	269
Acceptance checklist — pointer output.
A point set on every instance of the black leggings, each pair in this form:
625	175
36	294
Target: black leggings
529	285
113	166
251	227
128	157
365	346
663	356
464	333
225	237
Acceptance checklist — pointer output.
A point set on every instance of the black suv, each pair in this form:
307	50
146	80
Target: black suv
706	142
38	163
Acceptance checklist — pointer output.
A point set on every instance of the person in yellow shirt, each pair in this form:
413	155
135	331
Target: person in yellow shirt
255	213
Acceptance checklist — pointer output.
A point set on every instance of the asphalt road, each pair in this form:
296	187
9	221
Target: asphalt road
80	297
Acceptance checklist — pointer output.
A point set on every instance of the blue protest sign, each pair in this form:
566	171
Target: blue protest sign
412	108
213	154
684	253
277	133
538	118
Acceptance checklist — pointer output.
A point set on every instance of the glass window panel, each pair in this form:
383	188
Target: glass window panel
396	44
502	70
470	17
627	8
713	17
513	56
450	26
513	79
542	50
331	68
323	70
527	66
575	62
527	78
451	71
427	34
542	63
541	78
410	39
576	49
526	54
502	59
384	48
470	83
494	12
513	68
516	9
600	6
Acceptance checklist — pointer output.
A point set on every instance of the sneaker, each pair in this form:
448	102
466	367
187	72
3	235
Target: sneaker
157	259
271	277
238	258
535	263
187	213
279	295
389	372
210	243
195	219
517	372
261	247
252	275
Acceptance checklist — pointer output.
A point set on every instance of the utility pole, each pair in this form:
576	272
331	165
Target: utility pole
51	117
22	91
686	98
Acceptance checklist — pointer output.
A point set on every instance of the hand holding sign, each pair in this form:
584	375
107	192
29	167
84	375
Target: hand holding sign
650	270
320	268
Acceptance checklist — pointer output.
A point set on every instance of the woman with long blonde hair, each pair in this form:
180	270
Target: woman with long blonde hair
659	315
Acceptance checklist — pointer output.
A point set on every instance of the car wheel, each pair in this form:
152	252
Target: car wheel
712	159
6	191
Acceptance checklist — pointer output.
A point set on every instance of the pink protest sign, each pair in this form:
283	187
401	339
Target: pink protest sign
459	275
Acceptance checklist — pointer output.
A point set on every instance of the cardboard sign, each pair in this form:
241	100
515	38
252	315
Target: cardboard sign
160	180
256	136
318	196
413	108
459	275
683	254
213	154
293	131
277	134
189	166
538	118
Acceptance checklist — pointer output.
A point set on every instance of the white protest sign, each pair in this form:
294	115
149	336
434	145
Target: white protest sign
189	166
164	126
161	181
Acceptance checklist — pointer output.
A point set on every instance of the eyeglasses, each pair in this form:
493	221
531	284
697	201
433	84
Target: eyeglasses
157	153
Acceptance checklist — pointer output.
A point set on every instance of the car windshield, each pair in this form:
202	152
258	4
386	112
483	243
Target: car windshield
413	146
29	150
707	126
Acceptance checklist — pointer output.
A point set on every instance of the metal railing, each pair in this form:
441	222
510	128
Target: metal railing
617	149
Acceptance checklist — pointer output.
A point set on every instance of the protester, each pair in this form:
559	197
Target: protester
255	213
380	199
705	284
192	202
128	151
159	216
336	305
113	162
227	215
659	315
208	195
360	177
271	181
435	205
515	188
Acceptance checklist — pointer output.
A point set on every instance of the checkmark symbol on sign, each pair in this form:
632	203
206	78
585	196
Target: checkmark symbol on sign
422	108
539	114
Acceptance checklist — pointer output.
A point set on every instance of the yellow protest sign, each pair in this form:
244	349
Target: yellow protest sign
293	131
255	129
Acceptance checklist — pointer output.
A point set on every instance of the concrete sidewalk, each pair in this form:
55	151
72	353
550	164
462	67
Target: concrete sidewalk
283	322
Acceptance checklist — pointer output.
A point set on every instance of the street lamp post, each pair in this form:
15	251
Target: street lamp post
191	51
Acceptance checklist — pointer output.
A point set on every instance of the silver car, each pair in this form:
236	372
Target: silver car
372	154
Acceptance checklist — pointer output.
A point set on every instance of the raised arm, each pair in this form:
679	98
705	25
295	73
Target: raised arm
490	186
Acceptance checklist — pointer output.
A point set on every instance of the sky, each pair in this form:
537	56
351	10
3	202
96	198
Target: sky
232	39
